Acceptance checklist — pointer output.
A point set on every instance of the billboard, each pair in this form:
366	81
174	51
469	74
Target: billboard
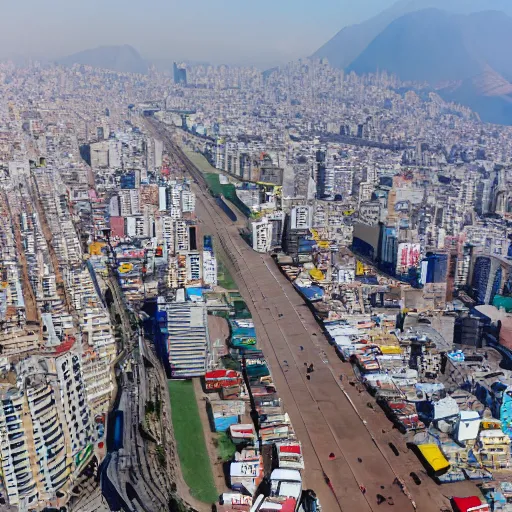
408	256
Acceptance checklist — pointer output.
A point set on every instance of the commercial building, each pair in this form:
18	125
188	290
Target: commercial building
180	74
188	341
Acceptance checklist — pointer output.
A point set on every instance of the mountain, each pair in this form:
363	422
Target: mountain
436	46
124	59
488	94
465	57
342	49
426	45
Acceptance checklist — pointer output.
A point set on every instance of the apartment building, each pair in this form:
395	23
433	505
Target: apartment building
97	336
172	273
262	235
181	236
194	267
74	401
209	268
46	429
129	202
300	217
16	436
168	233
52	456
188	201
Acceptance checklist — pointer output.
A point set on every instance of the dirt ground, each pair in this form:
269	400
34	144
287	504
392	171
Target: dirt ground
218	330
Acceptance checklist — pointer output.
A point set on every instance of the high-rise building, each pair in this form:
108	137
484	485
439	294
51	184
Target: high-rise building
115	154
100	154
262	235
188	341
194	267
45	429
300	217
434	268
188	201
159	148
276	219
181	236
479	283
180	74
209	268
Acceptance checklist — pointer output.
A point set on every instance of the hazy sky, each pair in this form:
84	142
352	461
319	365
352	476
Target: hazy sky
228	31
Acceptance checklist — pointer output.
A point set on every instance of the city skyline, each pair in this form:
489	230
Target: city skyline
231	32
256	288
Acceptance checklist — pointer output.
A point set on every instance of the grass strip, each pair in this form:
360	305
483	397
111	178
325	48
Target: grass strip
188	430
224	277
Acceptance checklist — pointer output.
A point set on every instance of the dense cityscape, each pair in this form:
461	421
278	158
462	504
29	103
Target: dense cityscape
280	290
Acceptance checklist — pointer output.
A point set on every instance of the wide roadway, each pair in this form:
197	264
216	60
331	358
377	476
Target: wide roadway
327	416
321	413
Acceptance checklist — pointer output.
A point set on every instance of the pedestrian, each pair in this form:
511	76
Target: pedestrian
362	488
301	348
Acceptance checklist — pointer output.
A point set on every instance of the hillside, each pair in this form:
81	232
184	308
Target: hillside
342	49
427	45
123	58
464	56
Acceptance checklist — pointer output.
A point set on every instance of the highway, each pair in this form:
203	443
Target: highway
132	472
327	417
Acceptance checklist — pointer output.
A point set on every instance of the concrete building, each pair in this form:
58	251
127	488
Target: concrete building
262	235
194	267
188	342
100	155
300	217
188	201
209	268
181	236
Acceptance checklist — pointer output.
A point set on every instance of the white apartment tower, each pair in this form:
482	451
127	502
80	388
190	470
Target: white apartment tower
262	235
301	217
194	266
188	201
209	268
168	233
181	236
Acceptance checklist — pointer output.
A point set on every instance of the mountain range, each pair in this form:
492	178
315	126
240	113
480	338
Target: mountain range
461	51
458	47
350	41
124	59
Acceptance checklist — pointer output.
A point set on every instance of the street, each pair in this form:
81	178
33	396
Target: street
327	417
133	470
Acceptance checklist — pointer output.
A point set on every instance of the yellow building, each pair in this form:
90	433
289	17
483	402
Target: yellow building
492	449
